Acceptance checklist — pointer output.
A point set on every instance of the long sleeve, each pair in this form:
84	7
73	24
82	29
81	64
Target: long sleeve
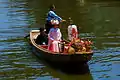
59	34
53	15
50	36
69	32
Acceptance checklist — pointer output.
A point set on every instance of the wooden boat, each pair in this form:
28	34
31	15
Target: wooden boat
57	58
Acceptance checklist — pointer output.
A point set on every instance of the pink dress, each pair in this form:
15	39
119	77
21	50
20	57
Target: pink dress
54	38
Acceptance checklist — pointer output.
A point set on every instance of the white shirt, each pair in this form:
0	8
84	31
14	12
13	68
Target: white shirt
72	35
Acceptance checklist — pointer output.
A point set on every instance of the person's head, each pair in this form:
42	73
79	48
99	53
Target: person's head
41	29
70	20
52	7
56	26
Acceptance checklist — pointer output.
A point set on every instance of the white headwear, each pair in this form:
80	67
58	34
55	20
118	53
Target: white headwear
54	22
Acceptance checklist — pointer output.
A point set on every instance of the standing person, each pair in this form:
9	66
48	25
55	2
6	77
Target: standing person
54	37
51	16
72	31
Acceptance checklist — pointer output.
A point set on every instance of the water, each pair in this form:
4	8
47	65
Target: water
98	20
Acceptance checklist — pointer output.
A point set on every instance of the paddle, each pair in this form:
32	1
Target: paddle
37	25
27	36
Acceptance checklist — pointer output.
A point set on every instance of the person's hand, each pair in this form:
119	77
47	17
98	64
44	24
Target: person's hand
63	20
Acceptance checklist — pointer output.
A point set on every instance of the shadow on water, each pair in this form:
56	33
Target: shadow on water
65	73
73	69
76	69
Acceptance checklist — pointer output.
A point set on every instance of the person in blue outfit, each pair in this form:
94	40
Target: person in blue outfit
51	16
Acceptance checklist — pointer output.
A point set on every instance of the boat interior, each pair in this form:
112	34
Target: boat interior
34	34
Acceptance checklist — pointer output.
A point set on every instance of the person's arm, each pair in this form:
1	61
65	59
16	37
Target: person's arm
54	15
59	35
69	32
50	35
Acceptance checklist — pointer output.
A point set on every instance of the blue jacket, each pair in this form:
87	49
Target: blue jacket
52	15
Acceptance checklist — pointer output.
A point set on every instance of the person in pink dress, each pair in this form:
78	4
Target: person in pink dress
54	37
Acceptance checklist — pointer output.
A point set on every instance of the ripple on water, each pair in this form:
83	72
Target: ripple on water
16	65
98	22
105	64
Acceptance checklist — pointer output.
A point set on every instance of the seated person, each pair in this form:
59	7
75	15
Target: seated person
42	38
54	37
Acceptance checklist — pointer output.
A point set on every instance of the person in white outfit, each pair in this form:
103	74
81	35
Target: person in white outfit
72	30
54	37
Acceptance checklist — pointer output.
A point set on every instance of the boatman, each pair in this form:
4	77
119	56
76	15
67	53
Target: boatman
52	16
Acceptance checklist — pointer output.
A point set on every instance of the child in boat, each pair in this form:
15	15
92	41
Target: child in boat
72	31
42	38
54	37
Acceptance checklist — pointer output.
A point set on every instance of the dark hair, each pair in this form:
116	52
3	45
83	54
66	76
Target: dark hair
70	20
41	29
52	7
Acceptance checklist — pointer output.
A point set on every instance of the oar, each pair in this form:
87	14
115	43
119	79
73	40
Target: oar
37	25
27	36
